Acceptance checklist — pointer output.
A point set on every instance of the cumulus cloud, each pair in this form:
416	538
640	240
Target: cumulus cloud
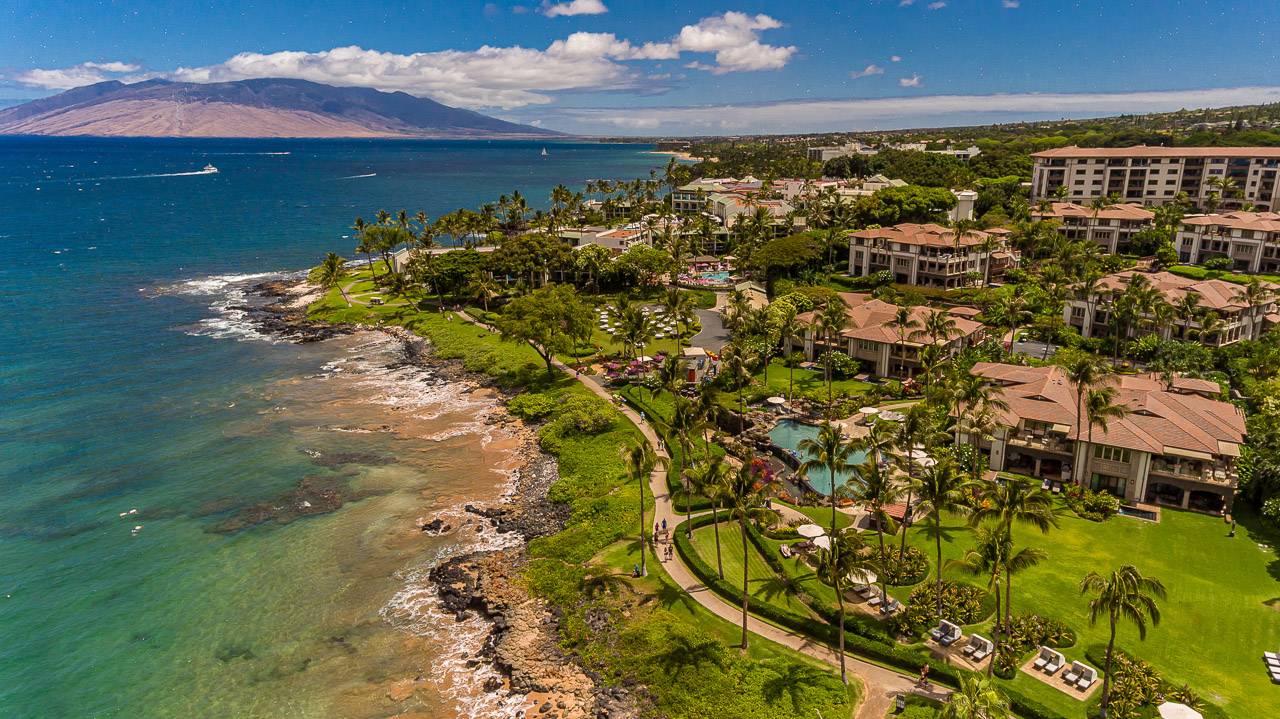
891	113
913	81
867	71
895	58
1011	4
486	77
65	78
575	7
937	5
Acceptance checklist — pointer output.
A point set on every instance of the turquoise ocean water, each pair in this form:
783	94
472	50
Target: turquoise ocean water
127	382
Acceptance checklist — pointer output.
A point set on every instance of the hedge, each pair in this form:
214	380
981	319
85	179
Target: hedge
881	652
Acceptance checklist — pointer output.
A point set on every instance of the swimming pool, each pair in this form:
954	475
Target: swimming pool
788	434
715	276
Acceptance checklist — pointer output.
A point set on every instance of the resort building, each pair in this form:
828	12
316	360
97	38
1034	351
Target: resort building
831	152
929	255
874	339
617	239
1111	227
1250	239
1238	320
1156	175
1176	445
693	197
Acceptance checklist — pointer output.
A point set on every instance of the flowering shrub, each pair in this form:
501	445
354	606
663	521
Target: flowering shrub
904	569
1094	506
961	603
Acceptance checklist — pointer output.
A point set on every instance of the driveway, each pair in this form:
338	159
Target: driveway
713	336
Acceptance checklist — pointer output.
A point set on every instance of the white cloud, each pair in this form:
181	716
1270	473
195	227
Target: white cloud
486	77
867	71
65	78
890	113
895	58
1011	4
913	81
937	5
575	7
906	3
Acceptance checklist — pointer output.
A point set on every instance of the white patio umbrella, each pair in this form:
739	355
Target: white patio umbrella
919	454
863	576
1174	710
810	531
646	358
823	542
777	400
868	410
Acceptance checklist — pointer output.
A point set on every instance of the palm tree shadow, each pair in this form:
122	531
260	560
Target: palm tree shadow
791	681
669	596
684	653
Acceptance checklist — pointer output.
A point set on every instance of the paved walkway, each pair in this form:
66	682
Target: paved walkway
880	685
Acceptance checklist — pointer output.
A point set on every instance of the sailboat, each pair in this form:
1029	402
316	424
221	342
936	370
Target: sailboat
544	152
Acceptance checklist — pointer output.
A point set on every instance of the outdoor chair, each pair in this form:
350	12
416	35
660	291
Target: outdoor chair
892	606
983	651
1072	674
1088	675
785	551
875	600
1055	663
1271	655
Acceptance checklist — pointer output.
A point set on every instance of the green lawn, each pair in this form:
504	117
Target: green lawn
1216	622
1196	272
807	383
821	516
764	584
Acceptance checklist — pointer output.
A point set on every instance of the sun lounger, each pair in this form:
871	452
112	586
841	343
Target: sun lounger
1270	655
892	606
1088	675
875	600
785	551
946	633
1049	661
985	647
1273	662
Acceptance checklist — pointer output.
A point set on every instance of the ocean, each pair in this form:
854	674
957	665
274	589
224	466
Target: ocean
154	446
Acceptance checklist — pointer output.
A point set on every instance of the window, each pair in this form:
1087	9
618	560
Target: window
1113	454
1108	483
868	346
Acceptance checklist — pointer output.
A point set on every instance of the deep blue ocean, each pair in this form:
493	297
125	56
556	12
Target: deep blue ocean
125	384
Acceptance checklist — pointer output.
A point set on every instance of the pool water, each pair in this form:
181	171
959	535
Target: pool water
717	276
788	434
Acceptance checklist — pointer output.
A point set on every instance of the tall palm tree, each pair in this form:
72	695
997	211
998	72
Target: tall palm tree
736	365
332	272
1083	370
1009	312
1187	310
878	490
1123	595
788	331
904	322
679	306
682	427
1101	408
987	559
941	491
1254	295
834	567
484	288
1210	325
746	493
1015	501
639	460
977	698
833	318
831	452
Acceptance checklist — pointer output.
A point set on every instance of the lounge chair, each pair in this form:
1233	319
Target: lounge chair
892	606
946	633
785	551
1072	674
1088	675
1049	661
1271	655
984	649
875	600
1042	659
1273	662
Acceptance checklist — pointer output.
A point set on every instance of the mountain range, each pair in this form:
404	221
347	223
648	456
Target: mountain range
267	107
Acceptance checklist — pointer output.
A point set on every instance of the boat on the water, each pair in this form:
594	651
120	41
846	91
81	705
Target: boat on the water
209	169
544	152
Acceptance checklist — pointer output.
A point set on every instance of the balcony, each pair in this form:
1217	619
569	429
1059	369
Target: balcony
1220	474
1042	442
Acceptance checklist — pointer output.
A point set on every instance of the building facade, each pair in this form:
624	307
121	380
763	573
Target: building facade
1177	444
1156	175
1251	240
1111	228
929	255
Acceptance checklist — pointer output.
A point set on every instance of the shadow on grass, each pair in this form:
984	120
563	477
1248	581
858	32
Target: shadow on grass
792	681
684	653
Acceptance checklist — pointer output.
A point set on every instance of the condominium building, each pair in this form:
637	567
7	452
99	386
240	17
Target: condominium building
1111	228
1156	175
929	255
1176	445
873	339
831	152
1251	240
1238	320
692	198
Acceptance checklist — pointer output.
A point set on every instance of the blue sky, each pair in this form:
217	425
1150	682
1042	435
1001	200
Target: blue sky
642	67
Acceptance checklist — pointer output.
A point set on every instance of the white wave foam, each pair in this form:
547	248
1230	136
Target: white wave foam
358	177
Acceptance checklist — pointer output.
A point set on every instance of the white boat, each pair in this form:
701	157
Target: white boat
209	169
544	152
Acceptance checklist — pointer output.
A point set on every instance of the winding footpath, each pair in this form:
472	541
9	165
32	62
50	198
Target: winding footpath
880	685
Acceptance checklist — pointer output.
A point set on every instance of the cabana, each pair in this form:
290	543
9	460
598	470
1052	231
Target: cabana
1049	660
946	633
978	648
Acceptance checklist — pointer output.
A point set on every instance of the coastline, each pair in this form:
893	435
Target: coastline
678	154
528	675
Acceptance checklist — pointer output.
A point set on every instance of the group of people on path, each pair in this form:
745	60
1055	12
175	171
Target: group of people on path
662	544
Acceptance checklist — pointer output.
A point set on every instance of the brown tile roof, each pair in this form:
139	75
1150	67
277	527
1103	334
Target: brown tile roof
1072	151
1214	294
869	320
1264	221
931	235
1158	419
1127	211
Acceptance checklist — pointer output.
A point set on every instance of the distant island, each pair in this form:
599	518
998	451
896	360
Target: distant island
269	107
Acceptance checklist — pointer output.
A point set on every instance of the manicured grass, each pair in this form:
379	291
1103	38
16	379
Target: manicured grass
821	516
1216	622
763	582
1196	272
808	383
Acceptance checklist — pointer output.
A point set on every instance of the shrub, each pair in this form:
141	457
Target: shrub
1271	510
961	603
904	569
586	414
1028	631
532	405
1091	505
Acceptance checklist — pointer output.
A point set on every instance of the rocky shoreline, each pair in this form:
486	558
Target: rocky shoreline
522	643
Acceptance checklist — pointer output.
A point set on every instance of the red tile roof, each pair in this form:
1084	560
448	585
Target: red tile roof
1264	221
1127	211
870	318
930	235
1072	151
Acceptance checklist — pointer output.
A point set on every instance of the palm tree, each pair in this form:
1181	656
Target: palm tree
483	288
1125	594
834	567
831	452
986	559
682	427
1210	325
746	492
1254	295
711	480
832	320
1083	369
1101	407
878	490
332	272
1009	312
941	490
679	306
904	321
977	698
1015	500
735	363
1187	309
788	331
639	460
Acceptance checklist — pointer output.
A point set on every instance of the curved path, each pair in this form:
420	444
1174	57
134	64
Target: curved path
880	685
